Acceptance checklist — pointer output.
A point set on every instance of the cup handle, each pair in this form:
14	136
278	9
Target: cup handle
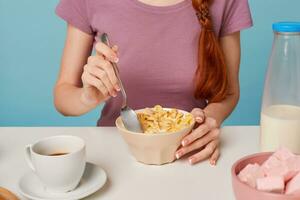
28	157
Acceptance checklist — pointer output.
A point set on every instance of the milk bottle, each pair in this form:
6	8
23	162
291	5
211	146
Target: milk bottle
280	114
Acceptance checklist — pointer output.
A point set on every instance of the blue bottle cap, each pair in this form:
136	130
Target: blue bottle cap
286	27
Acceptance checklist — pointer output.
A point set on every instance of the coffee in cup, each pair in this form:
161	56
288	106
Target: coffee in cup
57	154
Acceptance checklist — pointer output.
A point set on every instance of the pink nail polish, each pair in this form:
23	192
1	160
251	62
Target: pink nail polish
116	60
191	161
198	119
213	163
117	88
184	142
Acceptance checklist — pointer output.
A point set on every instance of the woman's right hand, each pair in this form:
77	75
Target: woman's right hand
98	77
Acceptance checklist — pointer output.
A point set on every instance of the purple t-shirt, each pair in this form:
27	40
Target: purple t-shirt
157	46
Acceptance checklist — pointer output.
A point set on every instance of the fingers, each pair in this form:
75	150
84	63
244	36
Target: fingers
99	72
109	53
201	130
214	157
205	153
101	75
198	114
91	80
195	134
106	66
212	135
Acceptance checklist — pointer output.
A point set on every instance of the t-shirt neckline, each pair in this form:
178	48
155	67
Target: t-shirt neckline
161	9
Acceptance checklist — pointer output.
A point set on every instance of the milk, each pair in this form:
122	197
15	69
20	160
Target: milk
280	126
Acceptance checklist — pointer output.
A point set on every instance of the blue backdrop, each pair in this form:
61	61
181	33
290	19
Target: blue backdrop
31	42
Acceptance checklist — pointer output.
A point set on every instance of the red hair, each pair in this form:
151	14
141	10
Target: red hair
211	75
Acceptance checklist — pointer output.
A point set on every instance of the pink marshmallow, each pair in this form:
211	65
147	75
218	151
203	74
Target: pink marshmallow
283	154
250	173
270	184
293	186
282	170
282	163
294	163
271	162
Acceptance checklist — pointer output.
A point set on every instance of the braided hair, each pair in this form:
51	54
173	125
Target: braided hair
211	75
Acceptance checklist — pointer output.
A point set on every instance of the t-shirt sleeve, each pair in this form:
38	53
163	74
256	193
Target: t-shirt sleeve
75	13
237	16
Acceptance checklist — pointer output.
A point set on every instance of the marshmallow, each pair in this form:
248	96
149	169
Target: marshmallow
271	184
250	173
294	163
293	186
282	163
283	154
271	162
282	170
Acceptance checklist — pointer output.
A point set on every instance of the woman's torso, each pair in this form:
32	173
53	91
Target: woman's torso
157	49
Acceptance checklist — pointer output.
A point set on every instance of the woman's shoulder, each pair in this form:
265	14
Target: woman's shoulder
228	3
235	15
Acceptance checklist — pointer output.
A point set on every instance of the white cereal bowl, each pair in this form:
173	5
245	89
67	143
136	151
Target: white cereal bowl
153	149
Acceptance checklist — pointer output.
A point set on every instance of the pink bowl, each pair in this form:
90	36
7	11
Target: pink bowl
245	192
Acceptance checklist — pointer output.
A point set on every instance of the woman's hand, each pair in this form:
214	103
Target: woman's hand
98	78
204	140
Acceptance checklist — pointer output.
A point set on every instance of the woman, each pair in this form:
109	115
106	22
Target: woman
177	53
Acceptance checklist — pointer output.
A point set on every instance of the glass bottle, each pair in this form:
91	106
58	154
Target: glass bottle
280	113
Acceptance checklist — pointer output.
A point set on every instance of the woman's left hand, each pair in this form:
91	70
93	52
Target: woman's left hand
204	140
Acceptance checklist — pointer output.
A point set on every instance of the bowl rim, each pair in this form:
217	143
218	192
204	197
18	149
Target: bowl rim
234	176
156	134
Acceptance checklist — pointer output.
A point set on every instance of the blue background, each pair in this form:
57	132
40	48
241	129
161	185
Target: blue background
31	42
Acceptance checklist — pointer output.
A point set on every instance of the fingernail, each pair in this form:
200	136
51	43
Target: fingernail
177	155
213	163
199	119
117	88
184	142
191	161
116	60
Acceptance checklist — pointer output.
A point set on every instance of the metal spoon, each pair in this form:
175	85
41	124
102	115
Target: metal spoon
129	117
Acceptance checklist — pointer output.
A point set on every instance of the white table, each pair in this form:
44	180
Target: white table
128	179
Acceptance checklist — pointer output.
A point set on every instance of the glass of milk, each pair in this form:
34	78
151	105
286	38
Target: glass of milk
280	114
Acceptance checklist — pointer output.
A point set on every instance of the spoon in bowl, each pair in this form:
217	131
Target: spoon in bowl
129	117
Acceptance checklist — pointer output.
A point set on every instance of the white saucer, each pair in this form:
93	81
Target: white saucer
93	179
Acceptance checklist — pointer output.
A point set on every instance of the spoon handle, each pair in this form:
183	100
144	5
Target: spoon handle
105	40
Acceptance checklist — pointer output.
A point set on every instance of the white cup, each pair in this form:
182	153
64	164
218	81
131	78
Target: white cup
58	173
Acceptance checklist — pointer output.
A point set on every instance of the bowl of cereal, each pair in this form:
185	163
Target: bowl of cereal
163	129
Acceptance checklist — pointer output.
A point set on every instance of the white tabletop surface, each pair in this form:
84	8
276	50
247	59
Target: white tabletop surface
128	179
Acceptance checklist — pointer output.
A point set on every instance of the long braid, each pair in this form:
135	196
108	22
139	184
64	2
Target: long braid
211	75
